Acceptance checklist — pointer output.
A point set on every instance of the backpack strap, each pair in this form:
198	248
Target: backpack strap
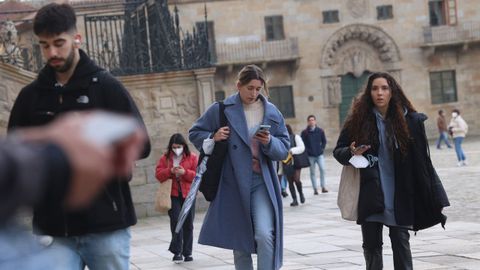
221	116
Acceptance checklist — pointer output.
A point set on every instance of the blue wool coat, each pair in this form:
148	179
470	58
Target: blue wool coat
228	222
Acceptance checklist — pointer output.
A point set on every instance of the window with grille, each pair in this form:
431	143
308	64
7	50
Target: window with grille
385	12
330	16
282	97
274	27
443	86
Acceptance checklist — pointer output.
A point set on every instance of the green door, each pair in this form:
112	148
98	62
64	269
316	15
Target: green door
350	88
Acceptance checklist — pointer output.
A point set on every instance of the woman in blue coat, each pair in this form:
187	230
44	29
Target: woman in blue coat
246	214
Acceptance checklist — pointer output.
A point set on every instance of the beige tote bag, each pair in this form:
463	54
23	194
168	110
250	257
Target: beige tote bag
163	202
348	192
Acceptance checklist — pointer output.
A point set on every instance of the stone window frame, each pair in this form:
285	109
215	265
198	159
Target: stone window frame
441	83
444	10
384	12
274	29
331	16
284	101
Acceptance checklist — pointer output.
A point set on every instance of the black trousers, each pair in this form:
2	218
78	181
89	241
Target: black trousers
372	246
294	180
182	242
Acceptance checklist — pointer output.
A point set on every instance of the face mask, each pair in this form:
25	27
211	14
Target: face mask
178	151
454	114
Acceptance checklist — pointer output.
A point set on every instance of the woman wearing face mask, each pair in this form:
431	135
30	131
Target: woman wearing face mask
399	188
180	165
458	128
246	214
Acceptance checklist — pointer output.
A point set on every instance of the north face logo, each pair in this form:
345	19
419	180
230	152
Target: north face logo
82	99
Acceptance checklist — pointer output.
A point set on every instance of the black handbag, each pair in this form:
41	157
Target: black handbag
211	177
301	160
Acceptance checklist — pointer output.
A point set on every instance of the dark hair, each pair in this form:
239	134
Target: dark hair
177	138
311	115
456	110
289	129
361	123
440	112
54	19
252	72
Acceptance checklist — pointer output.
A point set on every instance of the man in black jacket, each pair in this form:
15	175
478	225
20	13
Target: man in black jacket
315	141
99	235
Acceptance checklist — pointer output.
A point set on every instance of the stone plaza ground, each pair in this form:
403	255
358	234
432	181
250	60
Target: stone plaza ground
315	236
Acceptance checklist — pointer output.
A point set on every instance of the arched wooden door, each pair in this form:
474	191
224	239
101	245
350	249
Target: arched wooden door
351	85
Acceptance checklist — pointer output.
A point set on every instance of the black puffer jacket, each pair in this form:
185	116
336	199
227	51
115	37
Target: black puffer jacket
90	87
419	194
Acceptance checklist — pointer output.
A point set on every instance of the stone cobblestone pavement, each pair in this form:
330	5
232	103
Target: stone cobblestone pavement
317	238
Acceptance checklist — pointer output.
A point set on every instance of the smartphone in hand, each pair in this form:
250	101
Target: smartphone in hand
263	128
106	128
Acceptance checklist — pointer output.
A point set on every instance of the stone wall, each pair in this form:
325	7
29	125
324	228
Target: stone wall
168	102
359	42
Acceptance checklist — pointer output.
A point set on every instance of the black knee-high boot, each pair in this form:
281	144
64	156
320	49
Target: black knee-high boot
293	193
373	258
300	191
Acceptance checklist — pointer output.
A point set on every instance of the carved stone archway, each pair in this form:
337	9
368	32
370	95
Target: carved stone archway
355	49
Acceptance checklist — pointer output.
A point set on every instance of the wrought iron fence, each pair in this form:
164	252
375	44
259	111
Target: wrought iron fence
142	38
145	39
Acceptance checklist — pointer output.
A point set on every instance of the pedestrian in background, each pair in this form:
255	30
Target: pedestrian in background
180	165
442	130
293	174
246	214
396	186
315	142
99	236
458	128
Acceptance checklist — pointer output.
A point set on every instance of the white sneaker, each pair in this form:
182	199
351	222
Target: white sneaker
464	163
459	164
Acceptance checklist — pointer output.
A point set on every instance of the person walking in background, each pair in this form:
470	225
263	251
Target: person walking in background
293	175
442	130
315	142
99	235
282	179
458	129
396	186
246	214
180	165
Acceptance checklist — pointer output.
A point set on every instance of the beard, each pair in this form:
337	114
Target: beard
68	62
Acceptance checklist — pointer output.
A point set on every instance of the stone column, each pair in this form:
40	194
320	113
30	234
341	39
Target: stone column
205	87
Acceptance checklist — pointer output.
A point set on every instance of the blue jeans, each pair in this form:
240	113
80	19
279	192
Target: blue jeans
98	251
283	182
320	161
264	229
20	250
443	136
458	148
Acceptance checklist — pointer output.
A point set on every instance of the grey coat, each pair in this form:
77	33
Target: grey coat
228	222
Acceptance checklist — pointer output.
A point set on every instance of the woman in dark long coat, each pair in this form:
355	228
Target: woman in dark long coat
399	188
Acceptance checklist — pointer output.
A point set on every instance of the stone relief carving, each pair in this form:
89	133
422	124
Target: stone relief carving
334	89
357	8
356	59
373	36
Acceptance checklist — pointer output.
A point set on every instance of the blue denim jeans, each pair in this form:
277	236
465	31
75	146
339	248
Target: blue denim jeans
283	182
264	229
458	148
98	251
443	136
20	250
320	161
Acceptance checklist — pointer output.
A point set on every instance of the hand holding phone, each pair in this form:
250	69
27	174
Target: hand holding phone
263	129
263	134
105	128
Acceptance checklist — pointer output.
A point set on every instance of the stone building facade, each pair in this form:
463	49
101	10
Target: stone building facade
318	53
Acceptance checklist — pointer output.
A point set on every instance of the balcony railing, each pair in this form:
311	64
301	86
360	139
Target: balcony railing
256	51
451	35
